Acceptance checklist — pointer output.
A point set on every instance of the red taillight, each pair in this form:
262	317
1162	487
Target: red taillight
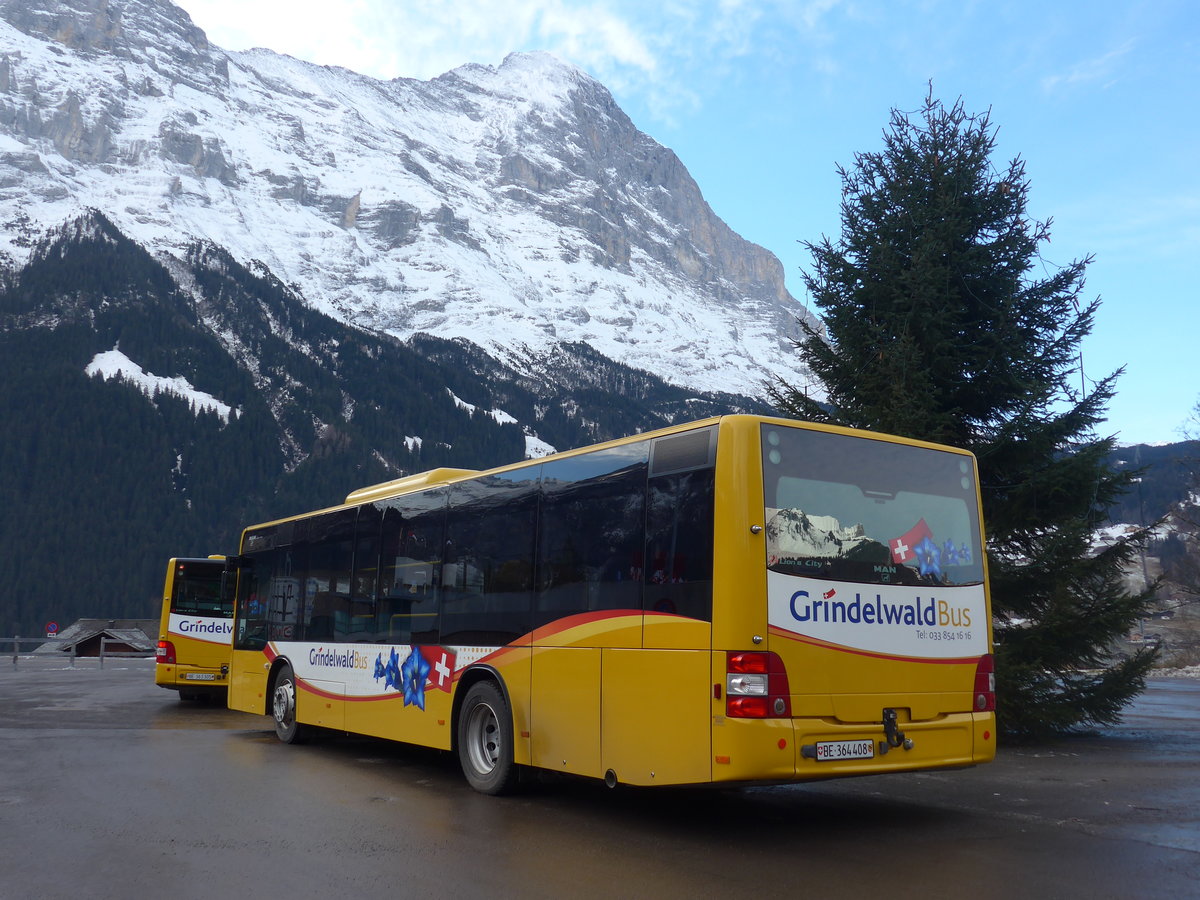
985	684
756	686
165	652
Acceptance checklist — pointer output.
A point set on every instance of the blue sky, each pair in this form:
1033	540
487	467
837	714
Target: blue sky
761	100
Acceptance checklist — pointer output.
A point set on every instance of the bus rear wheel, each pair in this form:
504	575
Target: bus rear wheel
485	740
283	708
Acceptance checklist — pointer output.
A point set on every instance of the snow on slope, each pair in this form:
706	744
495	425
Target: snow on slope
115	364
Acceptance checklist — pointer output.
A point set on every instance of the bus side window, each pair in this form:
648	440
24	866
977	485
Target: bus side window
679	544
410	562
591	533
252	602
363	584
487	576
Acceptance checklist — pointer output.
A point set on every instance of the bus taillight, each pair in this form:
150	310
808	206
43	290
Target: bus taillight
985	684
165	653
756	686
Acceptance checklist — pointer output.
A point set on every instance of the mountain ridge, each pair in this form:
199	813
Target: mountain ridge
520	195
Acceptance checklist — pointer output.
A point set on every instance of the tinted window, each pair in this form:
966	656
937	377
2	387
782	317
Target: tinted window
679	544
363	601
591	532
487	573
856	509
266	591
197	590
410	567
325	551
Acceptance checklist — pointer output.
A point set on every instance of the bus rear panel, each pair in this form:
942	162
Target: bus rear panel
877	650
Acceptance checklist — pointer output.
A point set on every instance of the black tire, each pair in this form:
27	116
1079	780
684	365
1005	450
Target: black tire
485	740
283	708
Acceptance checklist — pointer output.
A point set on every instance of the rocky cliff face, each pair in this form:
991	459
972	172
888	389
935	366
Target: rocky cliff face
516	207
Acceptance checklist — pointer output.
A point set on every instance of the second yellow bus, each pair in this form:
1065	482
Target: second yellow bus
195	629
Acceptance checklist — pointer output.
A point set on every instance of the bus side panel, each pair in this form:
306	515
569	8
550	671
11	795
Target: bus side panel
675	632
565	710
248	671
389	718
656	721
321	703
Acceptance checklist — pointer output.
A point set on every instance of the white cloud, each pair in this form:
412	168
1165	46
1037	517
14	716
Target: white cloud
421	40
1101	68
658	52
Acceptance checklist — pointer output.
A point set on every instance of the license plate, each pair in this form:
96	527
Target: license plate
200	676
830	751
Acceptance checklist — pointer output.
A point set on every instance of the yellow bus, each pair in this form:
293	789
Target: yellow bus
195	629
741	599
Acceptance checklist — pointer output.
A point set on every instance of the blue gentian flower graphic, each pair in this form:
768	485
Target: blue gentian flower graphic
414	671
950	553
929	557
391	672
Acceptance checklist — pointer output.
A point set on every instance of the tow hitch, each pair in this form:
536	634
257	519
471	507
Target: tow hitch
893	736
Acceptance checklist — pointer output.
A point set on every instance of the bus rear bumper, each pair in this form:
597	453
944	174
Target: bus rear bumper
191	679
809	749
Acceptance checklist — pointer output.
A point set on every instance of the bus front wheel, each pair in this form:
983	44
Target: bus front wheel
485	740
283	708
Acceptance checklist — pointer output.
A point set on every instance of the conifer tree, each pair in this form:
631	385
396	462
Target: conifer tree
944	323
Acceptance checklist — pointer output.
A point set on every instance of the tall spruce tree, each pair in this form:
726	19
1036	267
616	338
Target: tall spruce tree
945	324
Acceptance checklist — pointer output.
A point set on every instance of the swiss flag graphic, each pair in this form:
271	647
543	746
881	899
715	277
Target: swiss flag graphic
903	547
441	667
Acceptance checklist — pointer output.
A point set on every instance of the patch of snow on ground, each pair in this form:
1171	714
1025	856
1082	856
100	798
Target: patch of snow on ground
1184	672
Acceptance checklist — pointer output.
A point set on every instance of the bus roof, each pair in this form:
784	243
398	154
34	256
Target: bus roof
405	484
445	475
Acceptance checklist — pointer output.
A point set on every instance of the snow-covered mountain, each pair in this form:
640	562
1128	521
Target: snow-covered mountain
517	207
794	533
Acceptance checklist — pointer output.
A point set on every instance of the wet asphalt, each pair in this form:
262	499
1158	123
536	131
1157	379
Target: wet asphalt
110	787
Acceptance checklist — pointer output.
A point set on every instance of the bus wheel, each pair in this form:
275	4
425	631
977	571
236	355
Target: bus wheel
283	708
485	740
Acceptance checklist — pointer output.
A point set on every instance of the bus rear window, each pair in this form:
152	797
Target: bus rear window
870	511
197	590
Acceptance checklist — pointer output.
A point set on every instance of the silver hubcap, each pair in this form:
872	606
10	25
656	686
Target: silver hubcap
483	738
285	703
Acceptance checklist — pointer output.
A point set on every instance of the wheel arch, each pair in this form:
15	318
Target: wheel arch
469	678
